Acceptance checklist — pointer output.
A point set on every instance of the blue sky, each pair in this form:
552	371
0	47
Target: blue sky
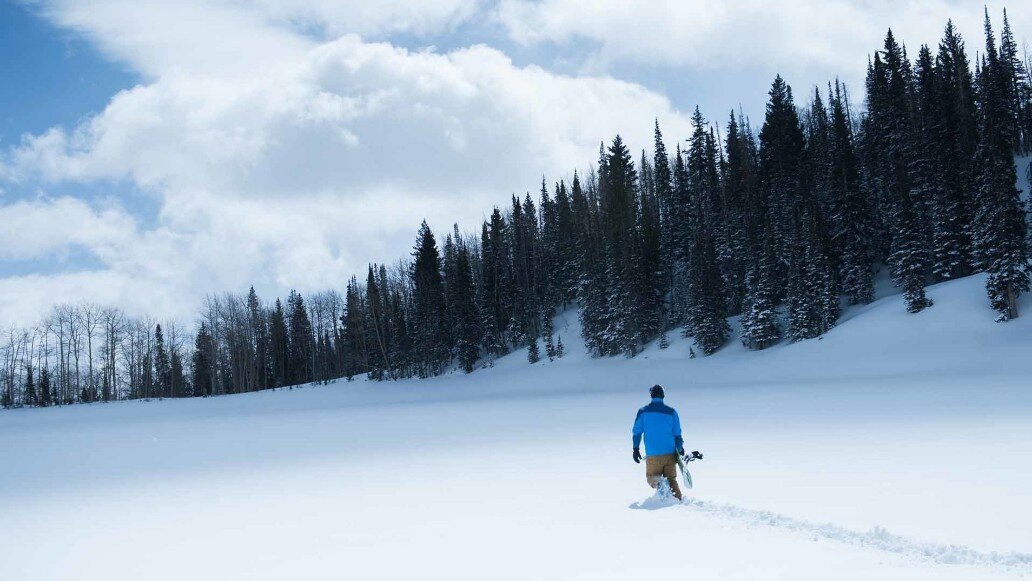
153	152
50	76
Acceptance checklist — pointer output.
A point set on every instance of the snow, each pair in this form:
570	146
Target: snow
895	447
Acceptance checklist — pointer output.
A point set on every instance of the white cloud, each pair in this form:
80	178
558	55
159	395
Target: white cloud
41	228
810	41
288	162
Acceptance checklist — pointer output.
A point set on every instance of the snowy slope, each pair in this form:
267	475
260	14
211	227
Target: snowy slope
897	447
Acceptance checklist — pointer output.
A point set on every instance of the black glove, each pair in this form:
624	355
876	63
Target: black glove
637	456
696	455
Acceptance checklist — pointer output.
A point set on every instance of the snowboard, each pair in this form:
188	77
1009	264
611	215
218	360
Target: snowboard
685	474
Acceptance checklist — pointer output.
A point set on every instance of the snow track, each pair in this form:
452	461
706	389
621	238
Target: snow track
877	538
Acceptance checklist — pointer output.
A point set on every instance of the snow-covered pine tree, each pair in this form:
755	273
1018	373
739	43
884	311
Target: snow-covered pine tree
680	233
781	150
737	185
1000	226
955	141
548	331
428	312
662	178
812	300
760	326
495	288
203	362
533	352
355	334
467	331
850	213
649	278
707	315
618	189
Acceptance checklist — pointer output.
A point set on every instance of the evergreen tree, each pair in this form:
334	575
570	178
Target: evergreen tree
467	324
162	365
618	183
355	333
566	268
781	151
1000	227
376	341
663	178
760	327
850	212
428	305
495	285
533	352
301	352
593	292
177	377
955	139
203	362
258	324
706	317
279	347
29	397
548	330
812	299
46	396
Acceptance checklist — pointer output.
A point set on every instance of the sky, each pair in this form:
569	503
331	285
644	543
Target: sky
155	152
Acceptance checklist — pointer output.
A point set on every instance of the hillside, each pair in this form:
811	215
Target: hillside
894	447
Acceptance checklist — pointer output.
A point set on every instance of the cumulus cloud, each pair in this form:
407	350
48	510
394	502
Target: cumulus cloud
285	160
810	41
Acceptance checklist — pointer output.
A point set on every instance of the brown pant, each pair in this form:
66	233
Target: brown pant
659	467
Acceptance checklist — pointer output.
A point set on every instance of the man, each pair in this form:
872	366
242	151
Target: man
662	429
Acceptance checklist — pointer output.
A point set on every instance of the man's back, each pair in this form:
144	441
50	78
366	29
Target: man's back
661	427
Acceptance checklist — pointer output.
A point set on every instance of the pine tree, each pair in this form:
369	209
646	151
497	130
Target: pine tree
955	138
260	342
850	213
533	353
279	346
301	352
467	323
781	150
29	397
663	178
760	327
162	365
706	317
811	296
593	294
495	288
45	393
559	349
203	362
623	247
355	332
177	377
1000	227
430	336
548	331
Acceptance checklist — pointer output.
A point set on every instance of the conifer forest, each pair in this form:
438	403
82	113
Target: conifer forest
781	222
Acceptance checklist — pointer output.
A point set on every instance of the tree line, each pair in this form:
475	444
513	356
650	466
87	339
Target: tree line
780	227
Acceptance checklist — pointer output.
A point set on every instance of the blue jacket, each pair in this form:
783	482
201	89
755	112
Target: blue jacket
661	426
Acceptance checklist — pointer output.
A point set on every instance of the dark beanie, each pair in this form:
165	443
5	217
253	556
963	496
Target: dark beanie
656	391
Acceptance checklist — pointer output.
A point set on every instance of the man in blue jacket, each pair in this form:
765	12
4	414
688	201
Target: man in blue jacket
661	427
